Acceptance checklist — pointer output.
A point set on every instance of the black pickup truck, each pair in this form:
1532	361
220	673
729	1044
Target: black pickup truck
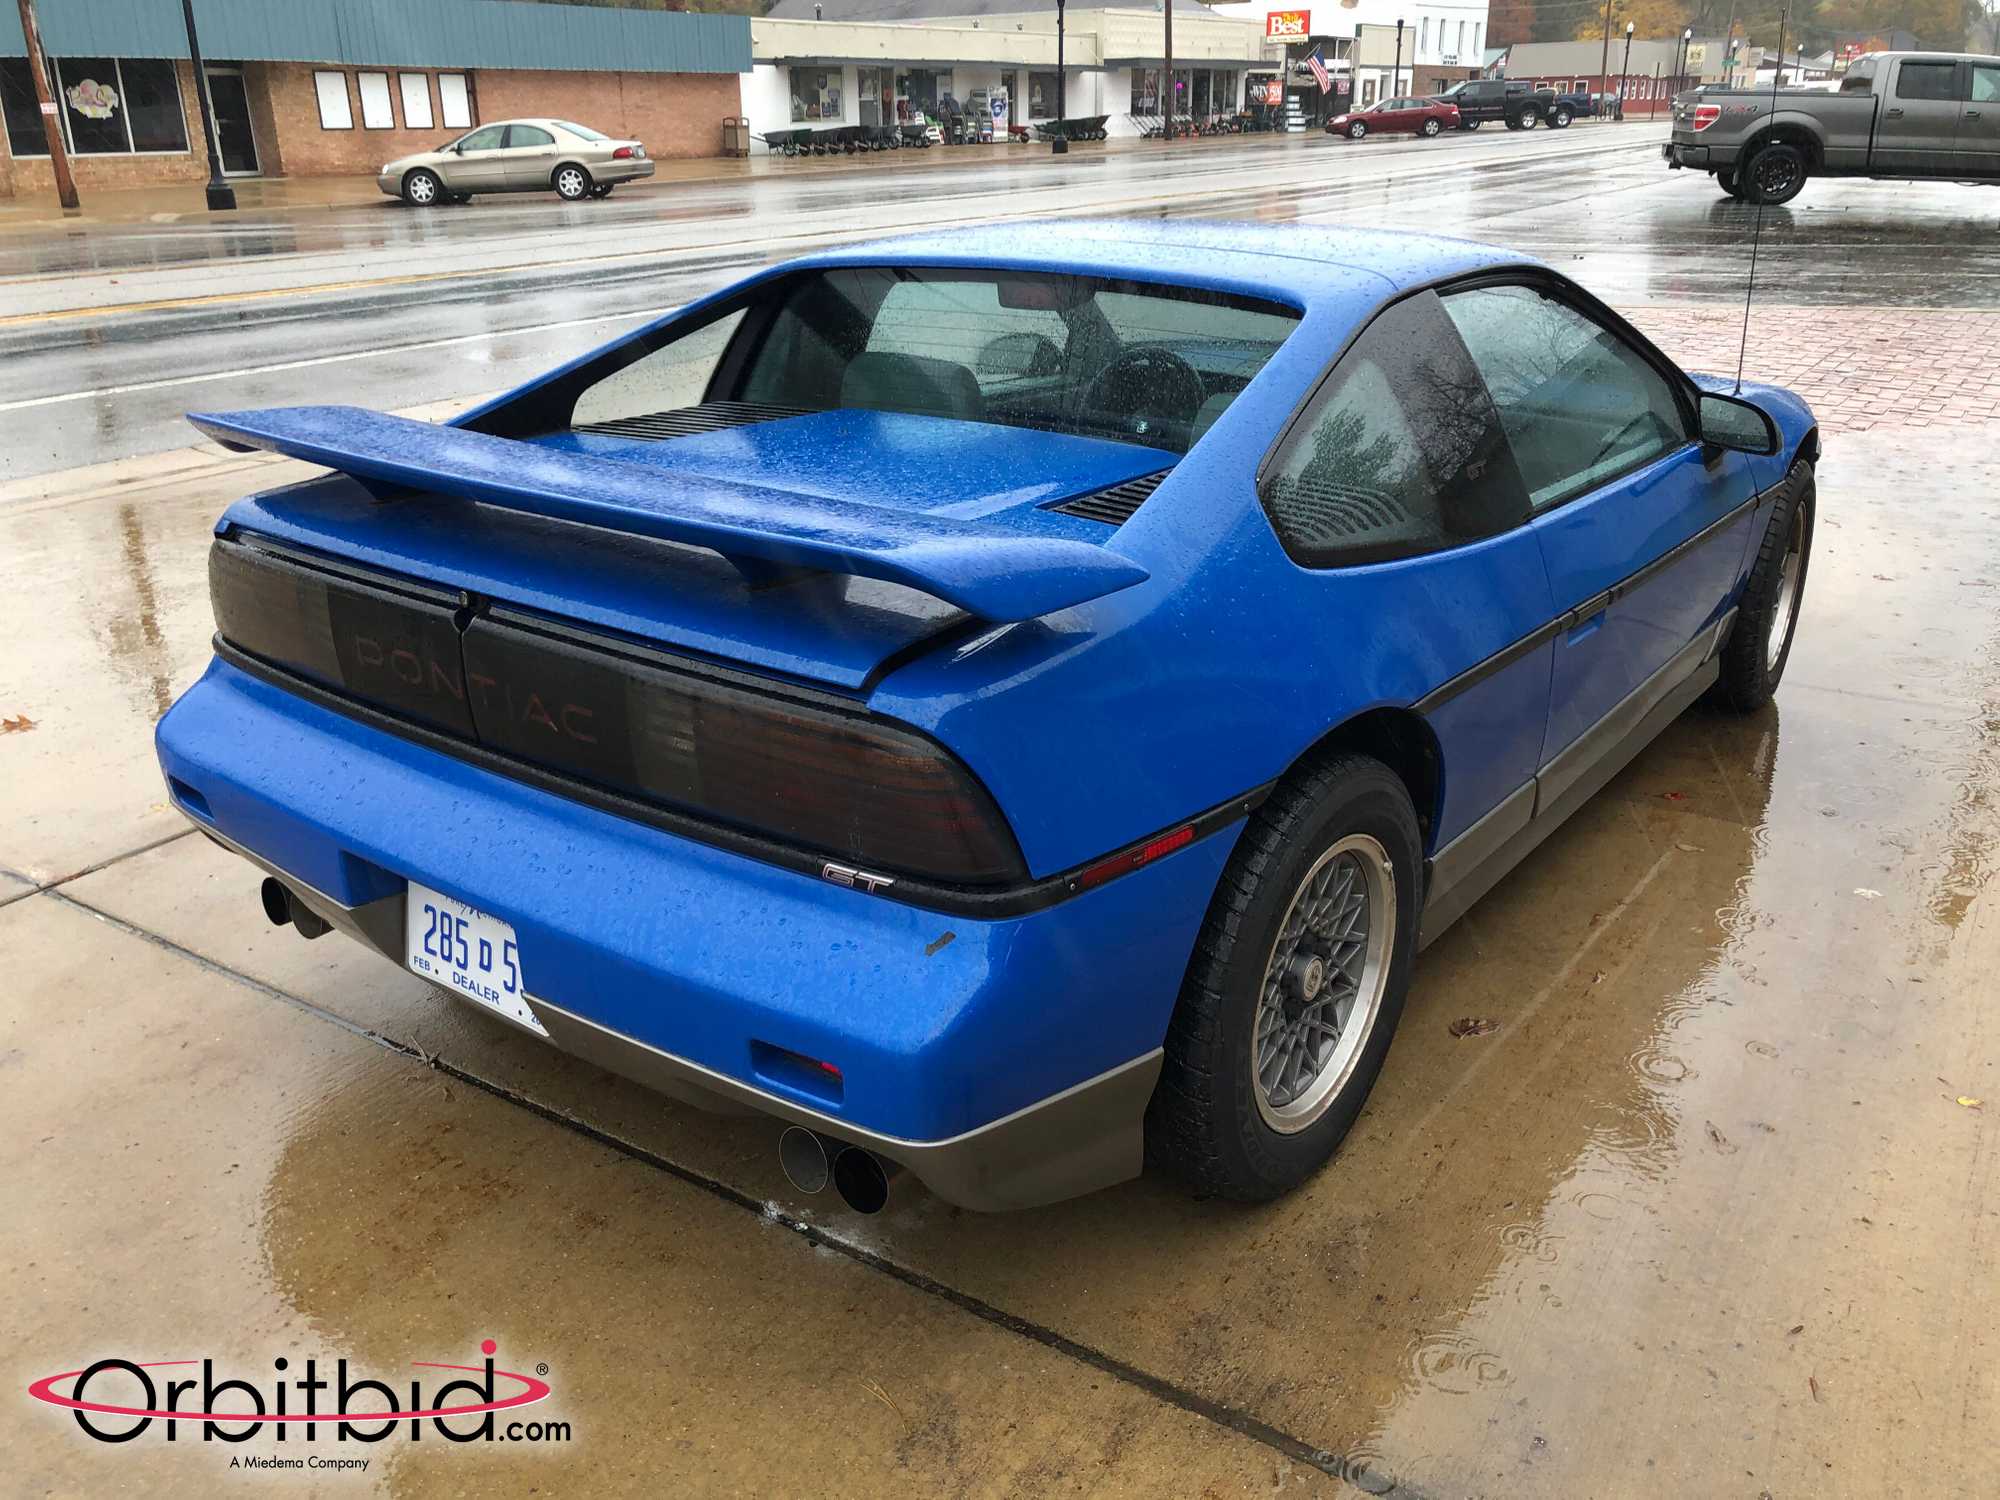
1514	102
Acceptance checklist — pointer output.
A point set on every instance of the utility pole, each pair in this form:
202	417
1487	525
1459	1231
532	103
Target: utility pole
220	194
1604	58
1396	73
1169	88
51	126
1060	144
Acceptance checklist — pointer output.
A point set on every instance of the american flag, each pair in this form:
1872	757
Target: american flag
1320	75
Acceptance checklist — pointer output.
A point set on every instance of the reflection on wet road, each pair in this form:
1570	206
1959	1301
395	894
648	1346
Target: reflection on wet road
376	305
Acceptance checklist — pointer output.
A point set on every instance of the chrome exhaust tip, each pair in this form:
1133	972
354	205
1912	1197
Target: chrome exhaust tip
862	1179
807	1159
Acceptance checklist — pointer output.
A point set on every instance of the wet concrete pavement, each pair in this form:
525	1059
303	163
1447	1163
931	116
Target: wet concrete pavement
1703	1214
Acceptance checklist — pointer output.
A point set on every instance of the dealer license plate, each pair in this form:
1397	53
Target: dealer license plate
463	949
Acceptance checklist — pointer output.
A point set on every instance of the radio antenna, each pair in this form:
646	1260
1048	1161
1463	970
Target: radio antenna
1750	285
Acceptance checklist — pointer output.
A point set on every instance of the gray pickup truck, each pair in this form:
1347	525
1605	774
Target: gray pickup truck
1896	114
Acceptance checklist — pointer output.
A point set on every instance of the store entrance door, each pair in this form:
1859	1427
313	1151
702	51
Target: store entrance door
234	140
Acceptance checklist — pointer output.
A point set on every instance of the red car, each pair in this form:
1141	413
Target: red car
1425	117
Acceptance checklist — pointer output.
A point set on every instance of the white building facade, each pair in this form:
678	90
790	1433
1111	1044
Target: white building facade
895	62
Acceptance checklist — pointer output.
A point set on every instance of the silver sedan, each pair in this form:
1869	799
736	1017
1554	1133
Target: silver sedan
517	156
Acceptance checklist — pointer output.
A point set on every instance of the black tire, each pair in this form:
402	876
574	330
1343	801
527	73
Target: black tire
1522	121
1767	618
1205	1125
1356	129
1471	124
1430	129
1775	174
422	188
1726	180
1559	119
571	182
602	190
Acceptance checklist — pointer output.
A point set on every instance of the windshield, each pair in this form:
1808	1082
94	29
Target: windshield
583	130
1130	361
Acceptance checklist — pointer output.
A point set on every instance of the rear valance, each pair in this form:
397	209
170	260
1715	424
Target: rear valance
989	569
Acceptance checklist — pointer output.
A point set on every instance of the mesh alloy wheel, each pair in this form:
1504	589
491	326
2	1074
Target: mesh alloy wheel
1323	982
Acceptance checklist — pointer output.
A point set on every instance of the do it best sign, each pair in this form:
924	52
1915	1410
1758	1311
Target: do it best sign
1288	23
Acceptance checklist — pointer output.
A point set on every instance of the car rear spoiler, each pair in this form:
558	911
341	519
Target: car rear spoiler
990	569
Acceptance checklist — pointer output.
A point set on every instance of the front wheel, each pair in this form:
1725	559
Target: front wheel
422	188
1470	124
1775	174
1356	131
1431	128
572	184
1560	120
1296	985
1767	617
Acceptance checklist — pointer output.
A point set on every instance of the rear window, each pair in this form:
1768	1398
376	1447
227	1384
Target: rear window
583	130
1135	362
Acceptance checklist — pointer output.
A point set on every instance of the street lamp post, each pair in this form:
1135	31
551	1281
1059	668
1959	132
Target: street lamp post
1396	73
1167	83
1060	145
1687	47
1625	71
220	194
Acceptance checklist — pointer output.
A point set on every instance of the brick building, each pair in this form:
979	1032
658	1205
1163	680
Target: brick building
322	87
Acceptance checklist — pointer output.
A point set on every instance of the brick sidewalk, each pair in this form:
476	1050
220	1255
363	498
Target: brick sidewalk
1860	367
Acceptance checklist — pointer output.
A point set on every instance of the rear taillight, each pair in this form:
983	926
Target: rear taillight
1706	115
873	795
623	153
395	649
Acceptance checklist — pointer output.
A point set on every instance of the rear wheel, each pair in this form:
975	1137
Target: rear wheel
1470	124
1356	130
1726	180
1295	987
1767	617
1431	128
602	190
422	188
1775	174
572	183
1560	120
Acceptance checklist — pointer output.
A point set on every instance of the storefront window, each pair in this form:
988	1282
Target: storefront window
108	106
1145	91
815	93
868	95
1042	96
918	91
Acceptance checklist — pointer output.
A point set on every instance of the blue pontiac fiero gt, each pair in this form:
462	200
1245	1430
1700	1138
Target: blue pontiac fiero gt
1011	704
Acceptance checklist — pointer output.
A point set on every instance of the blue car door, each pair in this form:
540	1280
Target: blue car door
1642	532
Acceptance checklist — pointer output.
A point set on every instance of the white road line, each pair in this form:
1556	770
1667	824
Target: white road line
327	359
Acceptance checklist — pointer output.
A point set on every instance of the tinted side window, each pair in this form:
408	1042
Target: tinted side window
1400	452
492	138
1926	80
529	135
1580	406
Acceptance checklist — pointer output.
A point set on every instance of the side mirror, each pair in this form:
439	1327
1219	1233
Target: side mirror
1728	422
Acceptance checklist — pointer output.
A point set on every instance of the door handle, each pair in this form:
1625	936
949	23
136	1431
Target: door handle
1893	114
1972	114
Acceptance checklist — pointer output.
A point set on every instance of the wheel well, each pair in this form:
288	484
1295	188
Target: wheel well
577	164
1787	135
1402	741
1808	449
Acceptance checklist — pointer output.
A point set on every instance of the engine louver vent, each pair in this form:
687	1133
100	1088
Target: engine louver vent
710	416
1116	505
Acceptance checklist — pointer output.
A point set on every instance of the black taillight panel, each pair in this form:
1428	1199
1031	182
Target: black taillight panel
801	772
789	766
394	650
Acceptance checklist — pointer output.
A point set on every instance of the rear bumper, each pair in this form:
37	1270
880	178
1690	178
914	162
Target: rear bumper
622	171
1005	1062
1679	154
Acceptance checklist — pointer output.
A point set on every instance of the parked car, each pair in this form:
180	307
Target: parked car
1897	115
1584	104
517	156
983	698
1514	102
1424	117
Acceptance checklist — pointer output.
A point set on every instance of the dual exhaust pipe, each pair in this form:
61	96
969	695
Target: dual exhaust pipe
811	1160
286	910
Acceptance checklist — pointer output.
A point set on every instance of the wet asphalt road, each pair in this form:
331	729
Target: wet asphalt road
1713	1209
378	305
